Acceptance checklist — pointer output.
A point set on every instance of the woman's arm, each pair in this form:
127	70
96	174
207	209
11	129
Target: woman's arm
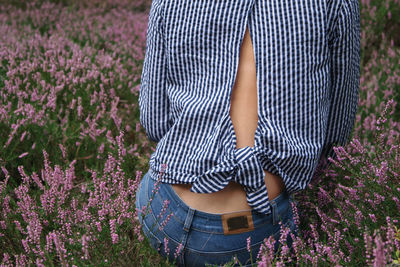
345	74
153	100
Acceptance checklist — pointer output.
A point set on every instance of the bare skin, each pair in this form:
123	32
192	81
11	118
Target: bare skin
244	117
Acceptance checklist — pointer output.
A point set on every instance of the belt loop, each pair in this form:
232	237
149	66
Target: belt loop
274	210
188	220
186	228
146	185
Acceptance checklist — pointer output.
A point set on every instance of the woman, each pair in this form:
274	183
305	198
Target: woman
244	98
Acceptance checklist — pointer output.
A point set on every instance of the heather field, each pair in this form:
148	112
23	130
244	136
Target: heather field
72	150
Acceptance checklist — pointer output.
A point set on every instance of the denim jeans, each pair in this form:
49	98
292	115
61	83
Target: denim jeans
197	236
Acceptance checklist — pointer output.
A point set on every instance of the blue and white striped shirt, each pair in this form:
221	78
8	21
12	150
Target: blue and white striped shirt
307	55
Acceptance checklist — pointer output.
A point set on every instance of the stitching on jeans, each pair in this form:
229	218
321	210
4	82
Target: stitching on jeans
158	241
201	247
242	249
207	240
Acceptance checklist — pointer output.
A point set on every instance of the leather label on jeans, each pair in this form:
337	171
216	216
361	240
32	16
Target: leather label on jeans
237	222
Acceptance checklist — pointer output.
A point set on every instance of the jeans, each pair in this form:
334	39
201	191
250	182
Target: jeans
197	236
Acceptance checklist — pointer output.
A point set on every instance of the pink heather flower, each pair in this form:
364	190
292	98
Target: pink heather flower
85	246
166	248
83	188
266	252
63	151
98	225
372	216
6	259
36	179
6	206
379	252
138	233
314	232
284	233
120	142
390	234
382	119
135	89
248	243
26	245
101	148
355	143
164	208
49	242
164	223
22	136
23	155
19	227
395	199
80	108
178	250
72	105
358	216
114	238
110	137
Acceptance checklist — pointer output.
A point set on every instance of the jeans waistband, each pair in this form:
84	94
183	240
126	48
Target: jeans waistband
279	206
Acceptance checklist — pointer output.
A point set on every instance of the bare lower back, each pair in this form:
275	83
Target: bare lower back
244	117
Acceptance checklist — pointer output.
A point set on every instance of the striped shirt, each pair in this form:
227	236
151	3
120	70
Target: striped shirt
307	56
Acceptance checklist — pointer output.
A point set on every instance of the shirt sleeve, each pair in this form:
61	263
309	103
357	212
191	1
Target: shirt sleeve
345	74
153	100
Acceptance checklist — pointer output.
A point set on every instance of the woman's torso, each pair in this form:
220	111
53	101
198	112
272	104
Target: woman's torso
244	117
